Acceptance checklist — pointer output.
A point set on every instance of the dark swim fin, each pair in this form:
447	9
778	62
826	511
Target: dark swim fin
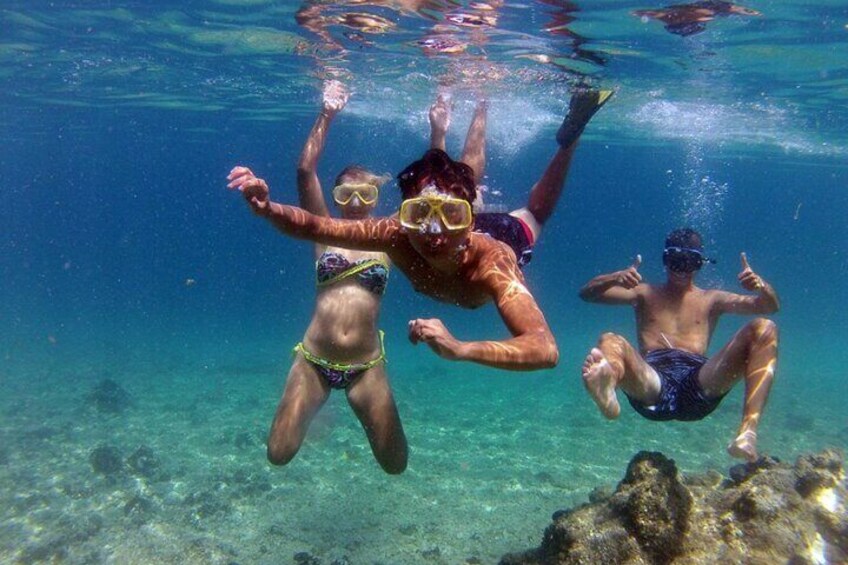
584	103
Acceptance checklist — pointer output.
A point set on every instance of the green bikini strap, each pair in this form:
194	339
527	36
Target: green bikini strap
312	358
355	270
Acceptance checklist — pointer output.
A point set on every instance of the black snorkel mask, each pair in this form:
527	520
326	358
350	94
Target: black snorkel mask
684	259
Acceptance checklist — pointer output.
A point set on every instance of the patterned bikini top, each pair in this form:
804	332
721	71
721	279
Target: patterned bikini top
372	274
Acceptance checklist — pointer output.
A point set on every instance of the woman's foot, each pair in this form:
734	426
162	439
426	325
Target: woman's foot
599	379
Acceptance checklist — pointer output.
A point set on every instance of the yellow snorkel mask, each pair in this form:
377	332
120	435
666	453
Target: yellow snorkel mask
419	213
365	191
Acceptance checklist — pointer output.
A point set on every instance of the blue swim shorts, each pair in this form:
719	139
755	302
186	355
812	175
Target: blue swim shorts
681	396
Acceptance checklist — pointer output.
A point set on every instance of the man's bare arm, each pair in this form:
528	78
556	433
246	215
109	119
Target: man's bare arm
619	287
532	345
763	301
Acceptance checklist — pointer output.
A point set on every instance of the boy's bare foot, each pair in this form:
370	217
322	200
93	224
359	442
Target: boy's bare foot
744	446
600	380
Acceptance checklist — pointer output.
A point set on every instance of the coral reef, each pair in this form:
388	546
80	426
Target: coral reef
765	512
145	463
106	460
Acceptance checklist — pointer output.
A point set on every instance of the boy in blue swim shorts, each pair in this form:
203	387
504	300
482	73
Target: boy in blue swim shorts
669	377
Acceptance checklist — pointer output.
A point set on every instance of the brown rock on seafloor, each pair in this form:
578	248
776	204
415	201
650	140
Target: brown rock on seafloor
768	512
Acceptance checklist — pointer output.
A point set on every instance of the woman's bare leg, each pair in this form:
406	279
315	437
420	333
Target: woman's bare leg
373	403
303	396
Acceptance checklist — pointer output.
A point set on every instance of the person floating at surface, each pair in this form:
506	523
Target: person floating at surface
669	378
342	348
431	241
521	228
689	19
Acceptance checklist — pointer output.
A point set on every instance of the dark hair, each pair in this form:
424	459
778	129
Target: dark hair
684	237
453	177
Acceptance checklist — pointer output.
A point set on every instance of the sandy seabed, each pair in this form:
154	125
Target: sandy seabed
177	473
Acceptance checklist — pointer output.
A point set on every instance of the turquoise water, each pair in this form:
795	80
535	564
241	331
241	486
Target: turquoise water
118	124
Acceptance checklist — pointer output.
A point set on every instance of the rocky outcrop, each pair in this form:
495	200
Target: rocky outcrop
765	512
109	397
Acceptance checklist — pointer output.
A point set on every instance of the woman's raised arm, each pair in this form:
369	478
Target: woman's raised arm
310	194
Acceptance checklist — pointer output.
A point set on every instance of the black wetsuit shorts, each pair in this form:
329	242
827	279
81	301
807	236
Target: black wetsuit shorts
508	229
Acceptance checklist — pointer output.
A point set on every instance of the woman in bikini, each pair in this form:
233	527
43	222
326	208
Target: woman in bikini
342	348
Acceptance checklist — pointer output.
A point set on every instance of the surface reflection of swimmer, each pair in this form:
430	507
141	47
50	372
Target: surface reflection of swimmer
317	21
689	19
318	17
562	16
669	378
433	242
460	29
343	347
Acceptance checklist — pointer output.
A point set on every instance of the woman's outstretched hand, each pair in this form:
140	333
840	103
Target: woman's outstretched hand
254	189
